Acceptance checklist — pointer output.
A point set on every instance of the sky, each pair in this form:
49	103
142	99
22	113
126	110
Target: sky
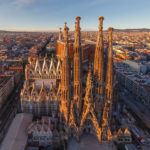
48	15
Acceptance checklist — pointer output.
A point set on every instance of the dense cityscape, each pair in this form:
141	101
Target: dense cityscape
74	75
75	90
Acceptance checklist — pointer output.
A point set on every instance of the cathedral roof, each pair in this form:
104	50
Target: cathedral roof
44	67
39	92
120	132
127	132
40	126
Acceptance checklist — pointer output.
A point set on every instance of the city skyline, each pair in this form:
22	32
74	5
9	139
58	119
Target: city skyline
49	15
71	90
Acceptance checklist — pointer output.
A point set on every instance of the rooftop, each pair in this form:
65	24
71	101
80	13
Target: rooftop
16	136
3	81
143	80
89	142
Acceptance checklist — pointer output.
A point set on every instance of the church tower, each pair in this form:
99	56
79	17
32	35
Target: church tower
77	83
99	69
88	107
109	75
99	58
60	35
65	90
107	111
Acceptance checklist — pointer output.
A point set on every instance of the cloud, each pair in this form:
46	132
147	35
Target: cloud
96	2
24	2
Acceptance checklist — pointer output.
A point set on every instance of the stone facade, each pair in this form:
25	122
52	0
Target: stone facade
79	108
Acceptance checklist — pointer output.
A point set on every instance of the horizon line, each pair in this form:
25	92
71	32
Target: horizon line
54	30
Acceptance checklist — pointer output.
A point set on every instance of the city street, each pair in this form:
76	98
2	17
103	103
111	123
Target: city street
139	109
89	142
9	109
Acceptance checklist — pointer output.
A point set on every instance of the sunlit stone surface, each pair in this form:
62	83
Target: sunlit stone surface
89	142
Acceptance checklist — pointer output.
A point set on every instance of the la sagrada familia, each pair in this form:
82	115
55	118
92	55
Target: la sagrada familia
54	87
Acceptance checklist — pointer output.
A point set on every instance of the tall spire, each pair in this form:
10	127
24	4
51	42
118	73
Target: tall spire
65	33
65	93
88	107
108	91
77	42
99	58
109	75
77	91
60	34
99	70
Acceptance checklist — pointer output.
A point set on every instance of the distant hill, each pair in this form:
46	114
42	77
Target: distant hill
3	31
133	30
116	30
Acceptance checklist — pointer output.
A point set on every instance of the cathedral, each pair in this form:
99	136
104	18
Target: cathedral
54	87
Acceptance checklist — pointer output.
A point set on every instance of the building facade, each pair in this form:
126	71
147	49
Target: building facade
136	84
6	87
44	133
56	89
